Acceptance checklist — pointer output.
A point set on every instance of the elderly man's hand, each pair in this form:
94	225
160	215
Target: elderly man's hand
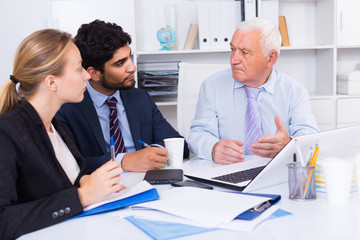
228	151
269	146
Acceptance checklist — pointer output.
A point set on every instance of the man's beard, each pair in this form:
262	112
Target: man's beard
115	86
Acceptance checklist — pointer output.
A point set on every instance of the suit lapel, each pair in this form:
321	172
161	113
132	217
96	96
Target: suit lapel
88	110
33	115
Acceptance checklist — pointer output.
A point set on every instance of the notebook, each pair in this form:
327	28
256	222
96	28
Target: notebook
267	172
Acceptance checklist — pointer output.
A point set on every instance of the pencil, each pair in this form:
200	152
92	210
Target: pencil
312	163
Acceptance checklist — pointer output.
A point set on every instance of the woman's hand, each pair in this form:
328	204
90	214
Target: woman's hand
103	182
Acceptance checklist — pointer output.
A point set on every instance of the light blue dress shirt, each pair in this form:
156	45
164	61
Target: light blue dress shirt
221	108
103	112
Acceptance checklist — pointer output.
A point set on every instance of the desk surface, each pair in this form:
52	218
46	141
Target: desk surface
309	220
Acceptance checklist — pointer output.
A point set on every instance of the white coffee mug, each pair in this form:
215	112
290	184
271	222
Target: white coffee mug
338	175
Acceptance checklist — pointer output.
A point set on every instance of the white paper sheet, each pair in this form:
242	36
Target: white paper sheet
127	192
236	225
209	207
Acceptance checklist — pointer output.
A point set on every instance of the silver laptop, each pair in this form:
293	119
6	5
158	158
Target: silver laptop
266	172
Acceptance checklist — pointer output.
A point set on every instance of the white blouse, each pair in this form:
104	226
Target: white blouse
64	156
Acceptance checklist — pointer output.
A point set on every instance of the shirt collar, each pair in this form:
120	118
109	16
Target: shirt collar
99	98
269	85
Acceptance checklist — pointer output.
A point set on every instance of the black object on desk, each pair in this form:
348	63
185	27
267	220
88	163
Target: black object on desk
164	176
189	183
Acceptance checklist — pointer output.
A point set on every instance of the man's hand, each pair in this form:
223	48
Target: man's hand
145	159
269	146
228	151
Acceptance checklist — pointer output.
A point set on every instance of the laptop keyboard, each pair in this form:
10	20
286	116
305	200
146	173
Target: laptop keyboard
240	176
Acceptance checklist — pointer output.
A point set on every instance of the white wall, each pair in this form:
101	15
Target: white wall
19	18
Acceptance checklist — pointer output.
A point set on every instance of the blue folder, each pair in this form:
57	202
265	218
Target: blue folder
251	214
146	196
163	230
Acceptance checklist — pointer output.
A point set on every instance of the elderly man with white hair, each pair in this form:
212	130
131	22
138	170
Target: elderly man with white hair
250	108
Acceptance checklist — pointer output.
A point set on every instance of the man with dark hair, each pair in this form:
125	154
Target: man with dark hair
112	107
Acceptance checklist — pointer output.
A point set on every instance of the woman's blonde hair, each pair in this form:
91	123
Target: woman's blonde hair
39	55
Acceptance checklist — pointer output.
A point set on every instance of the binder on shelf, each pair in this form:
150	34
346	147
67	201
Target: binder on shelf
217	23
250	9
192	36
214	23
140	193
204	26
283	31
229	19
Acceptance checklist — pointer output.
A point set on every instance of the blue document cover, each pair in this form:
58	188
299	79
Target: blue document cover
251	214
163	230
146	196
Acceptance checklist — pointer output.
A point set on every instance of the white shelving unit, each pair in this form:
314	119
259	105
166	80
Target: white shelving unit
328	48
310	59
314	57
323	43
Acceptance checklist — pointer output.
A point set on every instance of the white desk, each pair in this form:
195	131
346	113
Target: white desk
310	220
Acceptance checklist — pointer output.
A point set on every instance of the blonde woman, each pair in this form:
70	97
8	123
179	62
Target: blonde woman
42	177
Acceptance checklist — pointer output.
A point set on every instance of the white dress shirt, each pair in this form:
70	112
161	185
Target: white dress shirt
221	108
64	156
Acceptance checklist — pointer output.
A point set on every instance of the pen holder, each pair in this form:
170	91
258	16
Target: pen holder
301	182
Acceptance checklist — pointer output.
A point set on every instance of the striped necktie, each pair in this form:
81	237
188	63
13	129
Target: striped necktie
252	118
115	130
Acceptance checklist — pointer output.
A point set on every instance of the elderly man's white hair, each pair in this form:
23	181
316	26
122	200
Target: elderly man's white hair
270	35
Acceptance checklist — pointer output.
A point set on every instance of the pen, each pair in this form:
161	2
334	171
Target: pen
112	148
296	183
144	144
308	157
299	153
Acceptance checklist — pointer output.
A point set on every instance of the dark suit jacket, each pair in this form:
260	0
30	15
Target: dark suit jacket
35	192
145	120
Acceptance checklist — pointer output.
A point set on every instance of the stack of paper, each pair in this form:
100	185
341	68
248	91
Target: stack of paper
349	83
212	208
159	79
216	209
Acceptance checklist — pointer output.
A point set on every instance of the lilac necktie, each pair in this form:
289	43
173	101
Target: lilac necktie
252	118
115	130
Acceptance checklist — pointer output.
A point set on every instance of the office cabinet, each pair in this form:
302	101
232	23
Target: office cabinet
347	20
325	113
348	113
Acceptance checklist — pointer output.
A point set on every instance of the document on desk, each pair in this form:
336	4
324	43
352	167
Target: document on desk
209	207
139	193
154	215
127	192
